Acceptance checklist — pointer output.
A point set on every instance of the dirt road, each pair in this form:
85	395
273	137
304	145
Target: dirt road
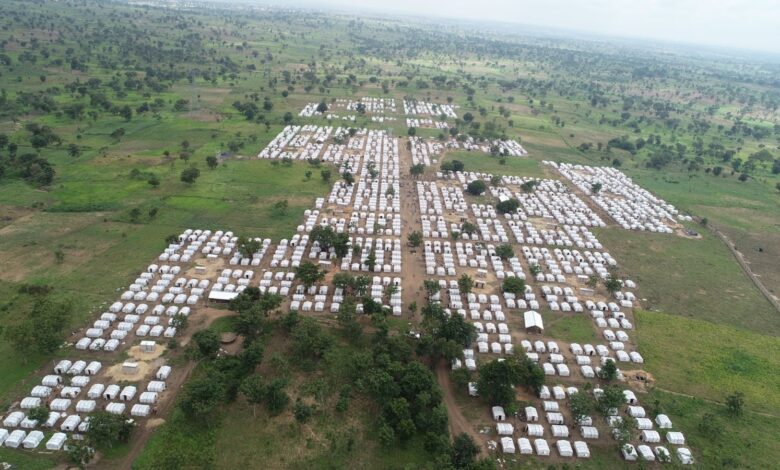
458	423
413	262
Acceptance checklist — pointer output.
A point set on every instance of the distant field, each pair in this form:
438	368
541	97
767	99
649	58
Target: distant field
480	162
694	278
710	361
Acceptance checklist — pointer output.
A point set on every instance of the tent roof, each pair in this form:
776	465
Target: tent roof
533	320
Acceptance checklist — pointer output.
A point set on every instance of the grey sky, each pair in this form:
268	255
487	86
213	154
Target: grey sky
747	24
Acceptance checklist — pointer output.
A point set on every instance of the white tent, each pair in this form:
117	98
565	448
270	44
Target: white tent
629	452
140	410
646	452
662	453
663	421
685	456
504	429
649	435
564	448
589	432
524	445
71	423
33	440
498	413
675	438
533	322
534	430
57	441
507	445
560	430
14	440
542	448
581	448
13	419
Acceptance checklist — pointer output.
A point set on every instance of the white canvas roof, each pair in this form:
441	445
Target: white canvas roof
533	320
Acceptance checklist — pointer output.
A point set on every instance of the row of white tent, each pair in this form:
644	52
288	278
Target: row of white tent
542	448
631	206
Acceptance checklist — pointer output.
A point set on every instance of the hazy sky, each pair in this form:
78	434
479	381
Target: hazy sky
749	24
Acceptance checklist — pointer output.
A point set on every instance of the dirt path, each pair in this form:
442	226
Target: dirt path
458	423
144	432
412	261
204	317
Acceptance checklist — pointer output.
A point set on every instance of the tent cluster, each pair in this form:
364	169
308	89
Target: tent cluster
552	227
424	108
70	405
648	448
426	123
631	206
161	292
532	440
424	150
369	104
502	147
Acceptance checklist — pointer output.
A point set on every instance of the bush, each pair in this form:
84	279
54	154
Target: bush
476	187
514	285
507	207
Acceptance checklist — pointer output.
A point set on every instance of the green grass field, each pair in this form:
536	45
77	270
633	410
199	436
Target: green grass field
710	361
694	278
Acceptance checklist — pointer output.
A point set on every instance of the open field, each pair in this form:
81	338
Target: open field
715	289
718	360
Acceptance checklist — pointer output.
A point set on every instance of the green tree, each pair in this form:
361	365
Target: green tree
74	150
302	411
417	170
497	380
79	452
309	273
735	403
476	187
276	398
39	414
610	398
206	344
514	285
608	371
465	284
505	251
253	389
415	239
189	175
201	396
108	429
464	451
612	284
309	340
212	161
39	330
507	207
581	405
